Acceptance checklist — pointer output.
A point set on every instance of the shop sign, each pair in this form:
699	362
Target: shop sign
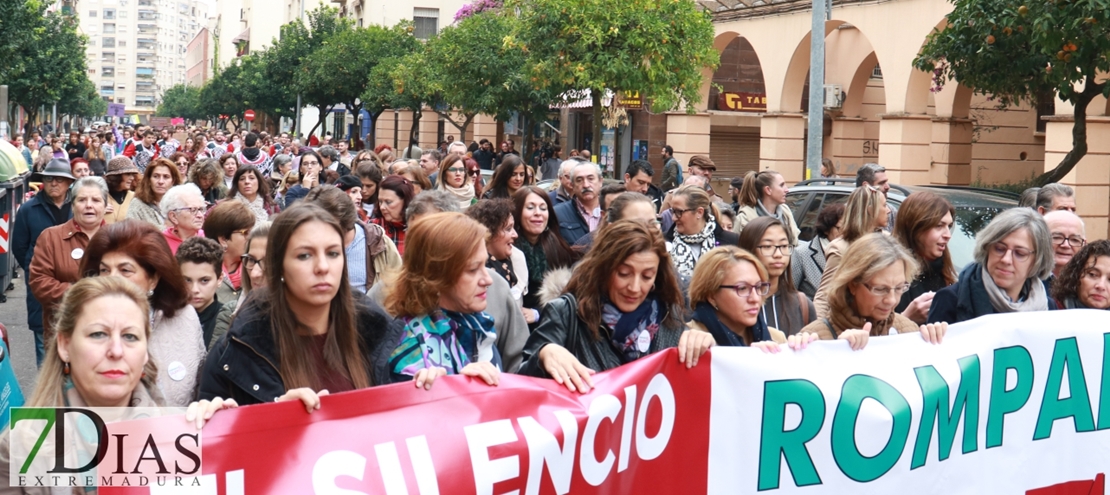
742	102
631	100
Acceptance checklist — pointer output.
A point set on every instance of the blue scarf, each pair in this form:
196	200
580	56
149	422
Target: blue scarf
444	339
628	328
706	315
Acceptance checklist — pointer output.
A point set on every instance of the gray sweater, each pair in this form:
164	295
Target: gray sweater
177	347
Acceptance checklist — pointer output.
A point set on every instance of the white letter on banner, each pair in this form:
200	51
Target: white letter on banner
650	448
480	438
333	465
421	458
626	427
544	448
594	472
390	466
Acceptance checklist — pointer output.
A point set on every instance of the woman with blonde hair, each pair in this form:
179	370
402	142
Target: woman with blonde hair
695	229
875	273
726	294
866	212
439	298
763	194
206	174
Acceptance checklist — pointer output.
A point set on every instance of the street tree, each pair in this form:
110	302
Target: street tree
413	89
83	101
324	23
183	101
659	48
51	63
1020	51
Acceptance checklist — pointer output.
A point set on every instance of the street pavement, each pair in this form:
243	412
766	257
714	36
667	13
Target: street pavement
13	314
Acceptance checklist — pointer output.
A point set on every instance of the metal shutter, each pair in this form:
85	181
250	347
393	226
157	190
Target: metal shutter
735	151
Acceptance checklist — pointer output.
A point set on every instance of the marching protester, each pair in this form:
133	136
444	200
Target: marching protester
764	194
695	229
1013	257
229	223
255	278
304	335
394	195
582	214
866	212
623	302
309	172
787	309
625	206
229	164
183	162
417	176
1085	281
867	287
159	177
726	294
208	176
440	298
543	248
252	189
370	253
59	249
1068	236
201	261
136	251
808	261
371	177
253	156
507	179
924	227
184	209
453	178
505	260
120	177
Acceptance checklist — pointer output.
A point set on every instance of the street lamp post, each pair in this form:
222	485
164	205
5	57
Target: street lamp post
815	138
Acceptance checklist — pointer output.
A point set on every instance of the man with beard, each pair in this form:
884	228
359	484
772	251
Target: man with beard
142	152
581	215
253	156
168	145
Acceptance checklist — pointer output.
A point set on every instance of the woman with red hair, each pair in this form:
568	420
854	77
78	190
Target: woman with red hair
137	251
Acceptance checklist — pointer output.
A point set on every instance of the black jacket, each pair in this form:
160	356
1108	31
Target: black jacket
243	364
967	298
930	279
572	226
561	325
35	216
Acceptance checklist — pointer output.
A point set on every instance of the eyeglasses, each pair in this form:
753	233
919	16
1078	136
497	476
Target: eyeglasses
456	170
47	179
1020	254
244	232
883	291
196	210
678	212
1075	241
743	289
786	249
249	262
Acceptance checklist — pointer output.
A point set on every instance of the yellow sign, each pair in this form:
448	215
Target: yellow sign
742	102
631	100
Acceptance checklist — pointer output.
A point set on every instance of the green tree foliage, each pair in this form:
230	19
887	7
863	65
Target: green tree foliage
222	95
657	47
1019	51
83	101
342	65
181	101
325	23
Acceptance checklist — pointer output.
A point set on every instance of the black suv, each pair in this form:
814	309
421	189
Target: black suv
975	208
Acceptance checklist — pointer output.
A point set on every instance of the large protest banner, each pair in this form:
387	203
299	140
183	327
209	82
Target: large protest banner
1015	403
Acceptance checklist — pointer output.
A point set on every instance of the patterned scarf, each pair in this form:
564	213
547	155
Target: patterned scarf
634	331
682	249
504	268
444	339
1033	296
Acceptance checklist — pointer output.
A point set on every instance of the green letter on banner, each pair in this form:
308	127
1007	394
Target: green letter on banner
1078	404
1004	401
776	442
852	463
934	392
1104	394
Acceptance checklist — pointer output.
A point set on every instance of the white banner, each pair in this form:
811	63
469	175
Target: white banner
1008	404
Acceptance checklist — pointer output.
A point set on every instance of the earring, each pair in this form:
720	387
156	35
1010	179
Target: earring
150	293
65	368
283	279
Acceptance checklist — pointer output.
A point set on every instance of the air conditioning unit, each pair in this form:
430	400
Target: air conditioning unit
834	97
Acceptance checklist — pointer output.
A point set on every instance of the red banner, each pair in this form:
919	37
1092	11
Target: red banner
643	429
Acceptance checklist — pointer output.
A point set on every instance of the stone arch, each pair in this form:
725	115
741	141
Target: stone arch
740	71
798	70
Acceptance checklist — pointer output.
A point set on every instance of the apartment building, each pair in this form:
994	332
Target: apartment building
137	48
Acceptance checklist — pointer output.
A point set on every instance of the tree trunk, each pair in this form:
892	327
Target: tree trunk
356	110
413	132
595	141
372	136
469	117
526	133
1078	134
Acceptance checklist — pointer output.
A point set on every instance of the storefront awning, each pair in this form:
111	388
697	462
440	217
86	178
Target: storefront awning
243	36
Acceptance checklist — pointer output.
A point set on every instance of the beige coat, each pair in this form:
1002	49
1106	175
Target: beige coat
119	210
748	213
177	343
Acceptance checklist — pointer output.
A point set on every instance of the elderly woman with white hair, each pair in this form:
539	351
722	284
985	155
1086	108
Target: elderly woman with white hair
1013	257
183	208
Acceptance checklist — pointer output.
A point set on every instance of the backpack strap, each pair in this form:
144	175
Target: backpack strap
804	302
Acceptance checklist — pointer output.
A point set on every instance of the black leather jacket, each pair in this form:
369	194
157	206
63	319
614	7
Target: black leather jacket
243	364
561	325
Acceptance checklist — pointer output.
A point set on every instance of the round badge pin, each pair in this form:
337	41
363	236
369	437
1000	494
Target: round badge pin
77	253
177	371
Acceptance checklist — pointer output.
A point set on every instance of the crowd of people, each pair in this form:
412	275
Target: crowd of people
259	270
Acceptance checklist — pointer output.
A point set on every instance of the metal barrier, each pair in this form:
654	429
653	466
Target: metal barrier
13	188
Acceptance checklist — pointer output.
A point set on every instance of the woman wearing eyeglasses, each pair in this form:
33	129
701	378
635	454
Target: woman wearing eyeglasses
875	273
453	178
1013	257
695	229
785	308
727	293
254	268
183	207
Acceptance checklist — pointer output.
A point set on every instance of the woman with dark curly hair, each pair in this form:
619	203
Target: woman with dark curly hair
504	258
206	174
1085	280
544	248
253	190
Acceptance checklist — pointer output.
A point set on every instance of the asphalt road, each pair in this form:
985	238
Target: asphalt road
13	314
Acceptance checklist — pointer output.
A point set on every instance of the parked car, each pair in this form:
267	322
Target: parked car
975	208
